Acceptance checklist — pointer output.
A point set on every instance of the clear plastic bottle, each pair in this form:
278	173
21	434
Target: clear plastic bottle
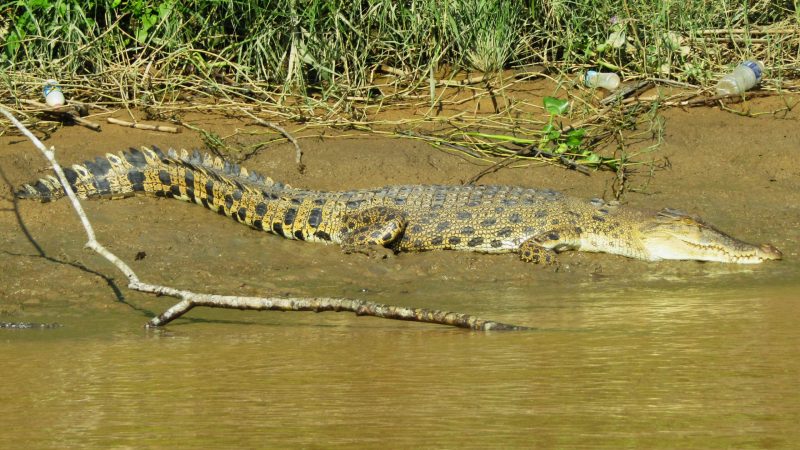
744	76
608	81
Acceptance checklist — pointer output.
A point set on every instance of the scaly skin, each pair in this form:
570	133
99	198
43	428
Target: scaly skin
534	223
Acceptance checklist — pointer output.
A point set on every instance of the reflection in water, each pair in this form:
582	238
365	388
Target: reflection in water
614	364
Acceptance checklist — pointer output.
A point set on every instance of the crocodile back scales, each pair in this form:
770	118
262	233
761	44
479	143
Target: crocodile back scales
476	218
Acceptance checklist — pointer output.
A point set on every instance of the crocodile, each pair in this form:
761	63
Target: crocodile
536	224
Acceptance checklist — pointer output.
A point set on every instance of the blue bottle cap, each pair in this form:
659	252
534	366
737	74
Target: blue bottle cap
755	67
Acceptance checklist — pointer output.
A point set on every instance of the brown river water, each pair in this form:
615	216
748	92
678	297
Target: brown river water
710	361
625	354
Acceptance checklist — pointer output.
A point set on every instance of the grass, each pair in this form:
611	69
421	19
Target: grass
335	47
327	61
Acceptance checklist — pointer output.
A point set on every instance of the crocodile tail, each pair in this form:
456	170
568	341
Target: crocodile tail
222	169
112	176
153	172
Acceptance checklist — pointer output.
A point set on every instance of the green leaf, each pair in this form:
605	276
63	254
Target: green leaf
164	9
573	143
35	4
147	22
578	133
555	106
12	44
551	132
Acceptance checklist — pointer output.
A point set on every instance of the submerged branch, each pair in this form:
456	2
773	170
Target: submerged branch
191	299
323	304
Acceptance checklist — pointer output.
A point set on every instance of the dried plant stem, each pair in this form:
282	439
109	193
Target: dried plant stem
785	30
298	155
191	299
143	126
68	111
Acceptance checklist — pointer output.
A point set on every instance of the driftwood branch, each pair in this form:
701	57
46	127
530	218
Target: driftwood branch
359	307
191	299
143	126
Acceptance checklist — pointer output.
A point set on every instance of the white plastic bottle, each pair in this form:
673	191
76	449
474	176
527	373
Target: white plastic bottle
744	76
608	81
52	93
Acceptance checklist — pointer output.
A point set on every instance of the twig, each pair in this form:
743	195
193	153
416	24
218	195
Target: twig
298	155
63	111
496	166
588	120
435	141
532	152
703	101
627	90
675	83
143	126
789	30
732	38
450	83
393	70
191	299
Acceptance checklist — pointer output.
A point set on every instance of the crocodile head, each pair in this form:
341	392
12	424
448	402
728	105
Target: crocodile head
672	234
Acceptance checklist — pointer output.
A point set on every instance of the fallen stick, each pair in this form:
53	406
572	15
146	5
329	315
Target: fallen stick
191	299
701	101
143	126
68	111
298	153
626	91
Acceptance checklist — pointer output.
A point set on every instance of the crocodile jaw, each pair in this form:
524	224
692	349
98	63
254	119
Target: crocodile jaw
675	235
743	253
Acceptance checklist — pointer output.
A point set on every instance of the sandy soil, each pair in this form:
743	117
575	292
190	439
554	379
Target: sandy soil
739	173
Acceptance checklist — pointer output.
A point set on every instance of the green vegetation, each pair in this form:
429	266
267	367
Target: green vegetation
335	46
315	60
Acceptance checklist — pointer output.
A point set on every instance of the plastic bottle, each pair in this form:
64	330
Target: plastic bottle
52	93
744	76
608	81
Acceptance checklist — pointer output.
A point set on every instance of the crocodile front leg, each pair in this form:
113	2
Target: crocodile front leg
543	248
533	252
378	226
